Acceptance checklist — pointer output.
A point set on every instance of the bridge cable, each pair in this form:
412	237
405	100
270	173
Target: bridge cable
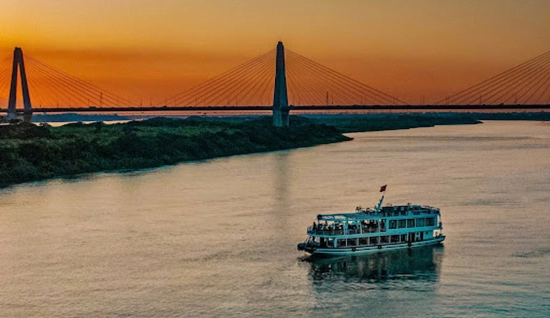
319	80
202	89
351	81
220	77
505	85
214	87
77	83
466	94
240	81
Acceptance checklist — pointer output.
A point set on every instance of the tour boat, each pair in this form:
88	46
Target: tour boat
374	230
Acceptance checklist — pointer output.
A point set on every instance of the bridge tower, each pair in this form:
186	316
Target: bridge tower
280	98
18	63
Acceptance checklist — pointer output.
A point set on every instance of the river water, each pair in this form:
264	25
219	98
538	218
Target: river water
218	238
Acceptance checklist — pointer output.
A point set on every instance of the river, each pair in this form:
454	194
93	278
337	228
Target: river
218	238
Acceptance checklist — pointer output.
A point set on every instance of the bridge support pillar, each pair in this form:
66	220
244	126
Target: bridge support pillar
19	64
281	112
285	116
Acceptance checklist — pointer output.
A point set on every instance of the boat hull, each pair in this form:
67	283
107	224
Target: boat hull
358	250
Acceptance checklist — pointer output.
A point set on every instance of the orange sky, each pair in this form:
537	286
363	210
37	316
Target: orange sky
153	49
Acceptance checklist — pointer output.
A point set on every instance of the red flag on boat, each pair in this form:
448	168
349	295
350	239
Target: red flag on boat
383	188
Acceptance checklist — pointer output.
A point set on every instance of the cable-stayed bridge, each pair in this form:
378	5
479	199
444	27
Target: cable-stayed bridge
279	80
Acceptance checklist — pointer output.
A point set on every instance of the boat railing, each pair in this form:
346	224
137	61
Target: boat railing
393	213
325	232
339	231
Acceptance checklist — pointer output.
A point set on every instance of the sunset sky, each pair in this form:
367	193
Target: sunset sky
158	48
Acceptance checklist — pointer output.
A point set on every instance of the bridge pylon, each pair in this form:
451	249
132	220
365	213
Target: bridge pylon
280	98
18	64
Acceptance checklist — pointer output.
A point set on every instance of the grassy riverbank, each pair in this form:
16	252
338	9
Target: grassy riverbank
29	152
378	122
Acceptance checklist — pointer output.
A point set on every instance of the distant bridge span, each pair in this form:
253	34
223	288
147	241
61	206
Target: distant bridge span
257	86
318	108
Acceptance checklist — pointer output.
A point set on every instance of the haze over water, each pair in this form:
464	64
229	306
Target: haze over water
218	238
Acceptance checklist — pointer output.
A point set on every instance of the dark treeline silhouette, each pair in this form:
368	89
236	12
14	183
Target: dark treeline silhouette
377	122
29	152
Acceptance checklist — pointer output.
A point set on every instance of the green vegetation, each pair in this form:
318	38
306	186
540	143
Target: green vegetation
377	122
541	115
29	152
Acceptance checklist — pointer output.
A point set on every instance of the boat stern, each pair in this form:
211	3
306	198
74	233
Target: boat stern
306	246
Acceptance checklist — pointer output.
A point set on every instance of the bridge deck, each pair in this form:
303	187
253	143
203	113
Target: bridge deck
291	108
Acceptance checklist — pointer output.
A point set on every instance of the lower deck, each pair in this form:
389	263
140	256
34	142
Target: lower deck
370	239
361	249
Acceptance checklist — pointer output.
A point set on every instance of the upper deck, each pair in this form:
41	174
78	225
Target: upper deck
396	220
397	212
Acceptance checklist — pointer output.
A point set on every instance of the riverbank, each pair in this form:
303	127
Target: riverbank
30	152
377	122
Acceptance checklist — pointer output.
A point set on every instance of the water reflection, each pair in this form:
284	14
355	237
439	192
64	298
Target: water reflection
281	181
412	267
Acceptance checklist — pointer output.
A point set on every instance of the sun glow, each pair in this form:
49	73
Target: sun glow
151	50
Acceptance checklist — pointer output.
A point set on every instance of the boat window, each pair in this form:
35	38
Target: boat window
374	240
410	222
352	242
395	238
393	224
430	221
402	224
385	239
420	222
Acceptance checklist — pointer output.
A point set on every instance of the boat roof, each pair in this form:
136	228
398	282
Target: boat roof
370	214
